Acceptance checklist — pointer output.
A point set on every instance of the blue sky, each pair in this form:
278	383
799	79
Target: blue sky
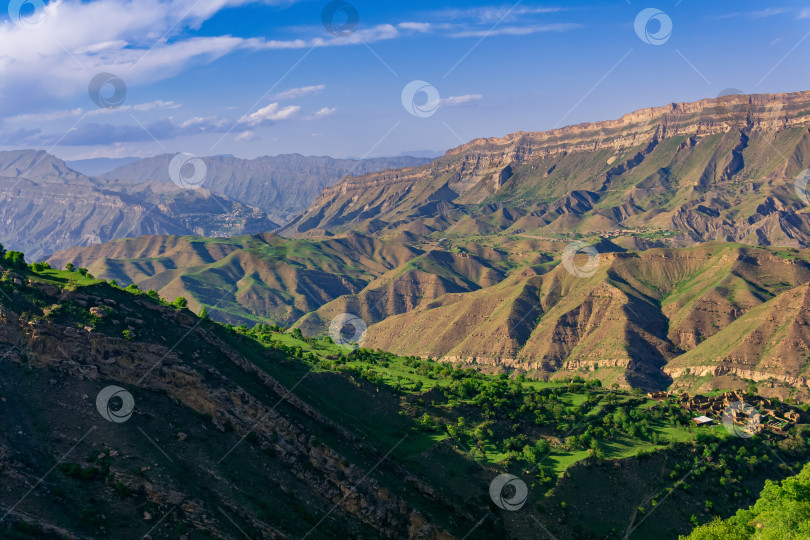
254	78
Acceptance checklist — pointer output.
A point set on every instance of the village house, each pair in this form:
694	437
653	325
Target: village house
773	417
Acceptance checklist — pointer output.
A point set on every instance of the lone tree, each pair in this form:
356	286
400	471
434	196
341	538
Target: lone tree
70	267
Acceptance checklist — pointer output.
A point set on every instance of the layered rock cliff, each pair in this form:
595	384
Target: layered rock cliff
657	167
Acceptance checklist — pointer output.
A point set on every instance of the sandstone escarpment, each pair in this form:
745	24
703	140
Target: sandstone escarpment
679	167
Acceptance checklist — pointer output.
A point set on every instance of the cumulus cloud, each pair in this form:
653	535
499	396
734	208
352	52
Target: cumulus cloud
326	111
145	41
93	133
270	114
140	41
246	136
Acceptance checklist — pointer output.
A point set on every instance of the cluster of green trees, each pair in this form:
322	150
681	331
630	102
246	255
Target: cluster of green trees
512	416
12	259
782	512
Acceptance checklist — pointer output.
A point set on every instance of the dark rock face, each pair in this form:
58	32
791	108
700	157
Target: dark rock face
213	439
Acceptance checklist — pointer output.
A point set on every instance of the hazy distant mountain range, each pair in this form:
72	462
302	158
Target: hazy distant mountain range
98	166
46	206
282	186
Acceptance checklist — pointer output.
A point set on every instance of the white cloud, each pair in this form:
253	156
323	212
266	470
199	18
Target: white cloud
271	113
496	14
140	41
203	124
248	135
157	104
416	26
294	93
460	100
517	30
88	133
115	150
326	111
145	41
805	13
99	47
79	111
46	117
768	12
